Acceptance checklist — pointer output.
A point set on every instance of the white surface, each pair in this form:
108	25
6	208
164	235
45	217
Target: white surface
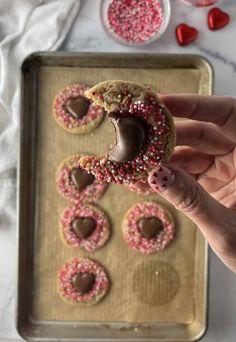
220	49
21	33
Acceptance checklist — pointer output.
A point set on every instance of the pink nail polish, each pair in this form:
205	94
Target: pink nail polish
161	178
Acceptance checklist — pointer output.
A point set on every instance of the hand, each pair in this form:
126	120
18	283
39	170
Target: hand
200	179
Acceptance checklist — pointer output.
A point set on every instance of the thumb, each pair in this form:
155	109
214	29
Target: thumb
187	195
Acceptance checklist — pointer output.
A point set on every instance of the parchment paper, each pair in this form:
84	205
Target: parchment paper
54	144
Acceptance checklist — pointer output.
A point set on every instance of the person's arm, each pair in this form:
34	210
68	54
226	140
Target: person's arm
200	179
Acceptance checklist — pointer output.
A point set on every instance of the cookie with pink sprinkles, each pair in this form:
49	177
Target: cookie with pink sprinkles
148	227
144	132
75	184
82	281
84	226
74	112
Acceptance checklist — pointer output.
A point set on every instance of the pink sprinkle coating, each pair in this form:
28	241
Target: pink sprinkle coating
150	156
135	20
68	190
68	121
98	237
82	265
133	236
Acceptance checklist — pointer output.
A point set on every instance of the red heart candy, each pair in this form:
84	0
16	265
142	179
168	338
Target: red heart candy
217	19
185	34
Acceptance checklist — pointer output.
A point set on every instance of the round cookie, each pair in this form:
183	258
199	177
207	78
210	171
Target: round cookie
82	281
75	184
74	112
84	226
148	227
145	132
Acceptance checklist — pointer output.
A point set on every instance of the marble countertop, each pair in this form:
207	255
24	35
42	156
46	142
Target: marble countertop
220	49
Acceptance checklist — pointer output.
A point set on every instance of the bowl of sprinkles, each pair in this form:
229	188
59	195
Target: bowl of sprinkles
135	22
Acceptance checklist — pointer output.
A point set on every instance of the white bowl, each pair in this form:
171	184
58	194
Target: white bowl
166	8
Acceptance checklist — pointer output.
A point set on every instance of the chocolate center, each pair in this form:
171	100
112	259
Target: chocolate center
77	107
149	227
81	178
83	282
83	226
131	133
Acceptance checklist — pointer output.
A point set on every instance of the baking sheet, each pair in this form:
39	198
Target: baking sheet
130	272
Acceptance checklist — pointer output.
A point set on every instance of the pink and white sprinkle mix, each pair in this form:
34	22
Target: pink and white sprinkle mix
135	20
68	121
133	236
98	237
68	190
151	154
82	265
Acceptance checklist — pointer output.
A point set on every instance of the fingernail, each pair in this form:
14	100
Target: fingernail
161	178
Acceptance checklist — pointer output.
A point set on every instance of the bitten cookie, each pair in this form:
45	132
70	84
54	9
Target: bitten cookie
148	227
75	184
74	112
82	281
84	226
144	128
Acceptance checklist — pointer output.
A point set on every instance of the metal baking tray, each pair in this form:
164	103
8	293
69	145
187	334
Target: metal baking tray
122	315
